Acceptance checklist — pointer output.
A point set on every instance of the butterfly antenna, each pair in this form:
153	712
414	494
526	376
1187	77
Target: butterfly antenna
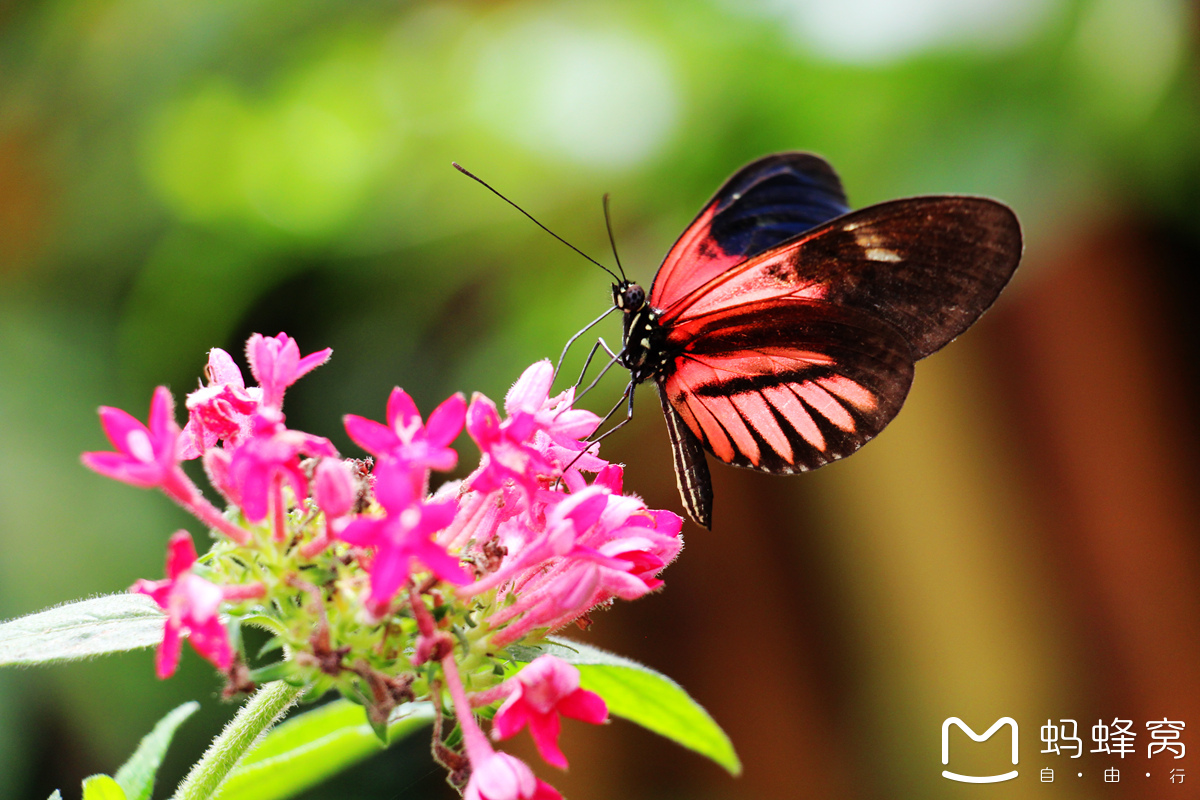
484	183
612	240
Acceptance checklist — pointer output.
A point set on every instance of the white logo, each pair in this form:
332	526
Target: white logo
978	738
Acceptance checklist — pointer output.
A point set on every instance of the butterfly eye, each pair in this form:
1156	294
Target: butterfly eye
633	298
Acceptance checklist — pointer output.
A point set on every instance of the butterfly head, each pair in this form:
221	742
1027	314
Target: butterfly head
628	296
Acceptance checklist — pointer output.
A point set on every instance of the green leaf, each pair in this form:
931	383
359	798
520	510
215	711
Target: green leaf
644	696
108	624
280	670
137	775
56	796
102	787
313	746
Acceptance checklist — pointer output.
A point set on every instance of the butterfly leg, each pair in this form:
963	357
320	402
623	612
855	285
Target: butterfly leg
574	338
627	396
587	362
613	359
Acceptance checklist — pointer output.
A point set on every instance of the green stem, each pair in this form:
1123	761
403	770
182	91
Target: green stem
240	735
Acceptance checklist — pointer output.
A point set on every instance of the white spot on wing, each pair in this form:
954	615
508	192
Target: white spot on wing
882	254
868	239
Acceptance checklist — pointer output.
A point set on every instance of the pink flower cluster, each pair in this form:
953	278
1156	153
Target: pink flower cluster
524	545
566	553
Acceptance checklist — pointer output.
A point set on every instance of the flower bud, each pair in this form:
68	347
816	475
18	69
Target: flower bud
333	487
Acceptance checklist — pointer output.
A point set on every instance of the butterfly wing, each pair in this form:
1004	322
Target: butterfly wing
691	468
794	325
928	266
784	386
765	203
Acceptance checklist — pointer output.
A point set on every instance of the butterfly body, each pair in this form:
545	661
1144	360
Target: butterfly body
782	329
645	351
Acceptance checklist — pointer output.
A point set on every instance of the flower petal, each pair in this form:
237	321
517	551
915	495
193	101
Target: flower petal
123	468
181	554
584	706
389	570
163	429
374	437
441	563
544	728
511	717
311	362
211	640
483	422
221	369
362	532
446	421
119	426
401	410
167	657
531	390
396	485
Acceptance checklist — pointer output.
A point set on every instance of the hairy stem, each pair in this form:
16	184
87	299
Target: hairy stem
240	735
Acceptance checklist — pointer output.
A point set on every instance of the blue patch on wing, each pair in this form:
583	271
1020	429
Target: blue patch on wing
775	199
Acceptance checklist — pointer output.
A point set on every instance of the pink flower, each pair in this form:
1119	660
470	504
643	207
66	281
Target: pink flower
559	428
494	776
146	456
404	437
402	536
508	452
555	416
260	466
221	411
618	556
505	777
276	364
149	457
566	521
191	604
541	436
541	692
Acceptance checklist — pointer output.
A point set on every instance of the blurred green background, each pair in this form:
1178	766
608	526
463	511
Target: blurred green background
1022	541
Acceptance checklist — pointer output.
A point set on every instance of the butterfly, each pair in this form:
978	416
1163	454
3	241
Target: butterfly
782	328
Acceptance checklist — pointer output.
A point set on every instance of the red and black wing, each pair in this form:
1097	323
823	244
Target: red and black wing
790	385
928	266
765	203
782	386
796	354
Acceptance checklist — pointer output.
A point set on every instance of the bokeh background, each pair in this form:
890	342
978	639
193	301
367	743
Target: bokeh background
1022	541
